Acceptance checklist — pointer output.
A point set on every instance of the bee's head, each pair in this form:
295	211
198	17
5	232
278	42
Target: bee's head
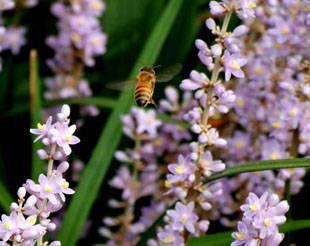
147	69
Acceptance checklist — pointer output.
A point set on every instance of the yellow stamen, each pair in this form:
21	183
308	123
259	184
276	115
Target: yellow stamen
276	125
267	222
95	42
183	219
240	235
41	127
32	220
168	239
240	102
308	7
48	189
235	65
95	5
239	145
75	37
179	169
158	142
293	113
81	22
285	30
7	225
181	128
252	5
253	207
277	46
167	183
65	185
258	70
67	138
274	155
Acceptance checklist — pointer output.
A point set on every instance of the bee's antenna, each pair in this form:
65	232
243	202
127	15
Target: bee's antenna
156	66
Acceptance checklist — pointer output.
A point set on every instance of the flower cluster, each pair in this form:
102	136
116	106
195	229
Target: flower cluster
13	37
262	216
186	176
29	219
276	85
79	40
154	142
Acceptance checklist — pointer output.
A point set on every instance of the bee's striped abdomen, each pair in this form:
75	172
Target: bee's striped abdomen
143	93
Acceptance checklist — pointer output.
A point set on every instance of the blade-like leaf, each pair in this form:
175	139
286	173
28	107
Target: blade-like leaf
35	112
224	238
5	199
100	160
261	166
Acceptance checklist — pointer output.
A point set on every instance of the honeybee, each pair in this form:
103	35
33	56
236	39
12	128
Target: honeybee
145	83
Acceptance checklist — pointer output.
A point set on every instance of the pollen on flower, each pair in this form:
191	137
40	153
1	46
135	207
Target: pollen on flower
267	222
293	113
7	225
75	37
32	220
158	142
179	169
167	183
258	70
67	138
252	5
240	235
48	189
239	145
285	30
181	128
235	65
240	102
168	239
274	155
95	42
183	219
253	207
276	125
277	46
65	185
41	127
95	5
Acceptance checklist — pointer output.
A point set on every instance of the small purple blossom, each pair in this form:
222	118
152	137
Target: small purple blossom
233	64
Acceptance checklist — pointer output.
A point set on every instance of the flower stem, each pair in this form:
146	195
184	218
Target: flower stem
49	174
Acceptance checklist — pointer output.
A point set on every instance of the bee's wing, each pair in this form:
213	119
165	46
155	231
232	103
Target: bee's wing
169	73
122	84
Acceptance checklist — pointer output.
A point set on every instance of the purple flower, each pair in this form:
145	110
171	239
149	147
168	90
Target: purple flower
6	4
14	39
47	188
170	237
63	136
247	7
254	204
42	130
8	226
233	64
182	170
183	217
209	166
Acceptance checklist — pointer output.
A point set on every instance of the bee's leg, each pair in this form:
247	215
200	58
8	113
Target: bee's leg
154	103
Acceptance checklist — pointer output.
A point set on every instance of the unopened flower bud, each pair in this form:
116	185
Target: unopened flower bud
65	110
203	225
216	8
55	243
216	50
210	23
42	154
14	207
21	192
51	227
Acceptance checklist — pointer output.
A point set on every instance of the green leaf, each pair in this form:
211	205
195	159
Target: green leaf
103	102
261	166
5	199
101	158
35	112
224	238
